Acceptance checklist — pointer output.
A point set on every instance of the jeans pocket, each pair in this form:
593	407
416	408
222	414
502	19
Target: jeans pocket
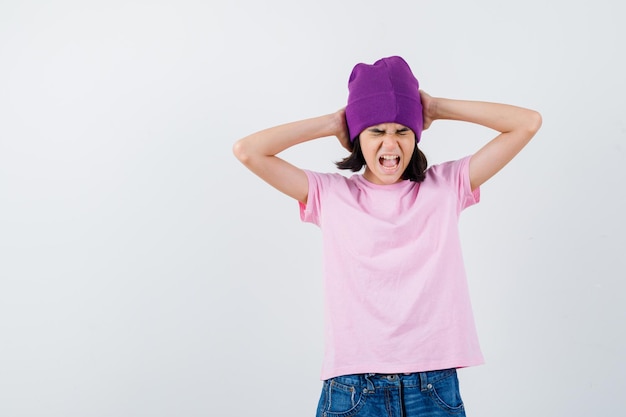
340	400
444	391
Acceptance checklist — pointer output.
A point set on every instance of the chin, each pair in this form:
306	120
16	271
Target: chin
379	176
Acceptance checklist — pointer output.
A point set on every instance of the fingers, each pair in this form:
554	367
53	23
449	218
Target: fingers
341	130
428	108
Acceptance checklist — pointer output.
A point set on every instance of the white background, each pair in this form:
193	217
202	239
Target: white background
145	272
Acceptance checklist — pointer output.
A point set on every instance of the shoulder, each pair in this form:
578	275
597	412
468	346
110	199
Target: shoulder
449	171
453	178
325	190
329	178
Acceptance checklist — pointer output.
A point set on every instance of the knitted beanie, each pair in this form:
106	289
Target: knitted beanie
384	92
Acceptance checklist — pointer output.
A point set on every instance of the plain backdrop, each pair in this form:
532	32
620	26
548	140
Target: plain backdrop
145	272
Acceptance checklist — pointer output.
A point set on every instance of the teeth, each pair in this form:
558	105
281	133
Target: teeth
389	157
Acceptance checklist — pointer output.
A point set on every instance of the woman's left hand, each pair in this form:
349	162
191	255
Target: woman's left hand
429	109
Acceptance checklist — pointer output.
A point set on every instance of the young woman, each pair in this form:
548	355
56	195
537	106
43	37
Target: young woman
398	319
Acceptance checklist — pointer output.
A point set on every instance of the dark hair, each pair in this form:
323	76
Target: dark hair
413	172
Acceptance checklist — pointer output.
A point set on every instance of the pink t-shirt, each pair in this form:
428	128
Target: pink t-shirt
396	295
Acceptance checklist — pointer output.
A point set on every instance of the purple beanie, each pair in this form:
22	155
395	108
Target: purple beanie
384	92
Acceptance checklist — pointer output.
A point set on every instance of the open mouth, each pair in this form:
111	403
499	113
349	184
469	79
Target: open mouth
389	162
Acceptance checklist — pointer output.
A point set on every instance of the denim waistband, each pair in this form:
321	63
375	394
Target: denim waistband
423	380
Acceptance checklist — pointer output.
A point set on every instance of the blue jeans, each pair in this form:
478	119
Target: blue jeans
420	394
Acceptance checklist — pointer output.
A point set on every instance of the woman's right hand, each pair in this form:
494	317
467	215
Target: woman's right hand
341	129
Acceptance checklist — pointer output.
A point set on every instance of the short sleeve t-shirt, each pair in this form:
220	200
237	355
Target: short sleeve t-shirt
395	290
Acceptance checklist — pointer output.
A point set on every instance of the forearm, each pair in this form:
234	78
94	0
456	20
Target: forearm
500	117
272	141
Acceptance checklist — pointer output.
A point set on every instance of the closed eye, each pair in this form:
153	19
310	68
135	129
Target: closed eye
376	132
379	132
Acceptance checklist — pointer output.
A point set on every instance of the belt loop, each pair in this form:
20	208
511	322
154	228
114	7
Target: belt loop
424	385
370	384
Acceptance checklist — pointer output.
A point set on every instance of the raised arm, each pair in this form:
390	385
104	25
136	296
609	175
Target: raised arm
258	151
516	125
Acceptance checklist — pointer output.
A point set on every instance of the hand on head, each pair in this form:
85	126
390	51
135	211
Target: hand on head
341	131
428	108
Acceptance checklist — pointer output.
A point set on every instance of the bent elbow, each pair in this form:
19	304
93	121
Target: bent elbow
535	121
240	151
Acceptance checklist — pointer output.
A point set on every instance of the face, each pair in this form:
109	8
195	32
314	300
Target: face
387	149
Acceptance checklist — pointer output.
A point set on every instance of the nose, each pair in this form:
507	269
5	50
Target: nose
389	140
